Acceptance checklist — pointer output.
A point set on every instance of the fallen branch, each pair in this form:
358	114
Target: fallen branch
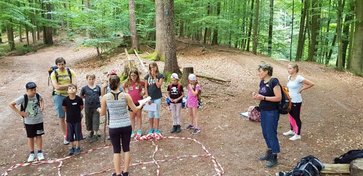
141	62
213	78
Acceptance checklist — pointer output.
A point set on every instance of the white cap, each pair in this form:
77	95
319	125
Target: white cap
192	77
175	76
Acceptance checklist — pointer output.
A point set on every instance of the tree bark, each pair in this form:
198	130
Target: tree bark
356	62
10	34
134	37
301	40
255	27
181	28
250	26
27	35
186	72
160	31
270	28
20	34
207	30
171	62
215	31
47	31
345	37
340	8
315	24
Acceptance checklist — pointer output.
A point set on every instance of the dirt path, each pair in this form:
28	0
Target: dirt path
332	118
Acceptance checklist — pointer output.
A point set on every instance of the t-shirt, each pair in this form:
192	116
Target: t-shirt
266	90
193	99
294	88
175	91
73	109
135	90
35	115
63	79
153	91
92	96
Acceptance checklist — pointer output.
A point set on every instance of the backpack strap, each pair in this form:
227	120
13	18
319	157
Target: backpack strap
68	71
25	104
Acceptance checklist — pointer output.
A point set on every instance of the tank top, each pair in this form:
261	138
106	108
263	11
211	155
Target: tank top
117	108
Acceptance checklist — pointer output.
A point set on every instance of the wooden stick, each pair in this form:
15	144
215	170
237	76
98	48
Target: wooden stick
336	169
141	63
212	78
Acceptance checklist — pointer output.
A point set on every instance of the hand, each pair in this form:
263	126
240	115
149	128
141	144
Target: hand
23	114
104	84
99	110
149	102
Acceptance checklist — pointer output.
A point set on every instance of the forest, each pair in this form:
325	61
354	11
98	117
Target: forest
323	31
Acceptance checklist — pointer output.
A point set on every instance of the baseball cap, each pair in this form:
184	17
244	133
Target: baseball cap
30	85
192	77
175	76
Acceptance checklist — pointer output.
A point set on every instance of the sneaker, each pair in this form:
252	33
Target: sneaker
77	151
31	157
124	173
178	129
196	131
139	132
289	133
65	141
40	156
190	127
71	151
173	130
91	135
132	134
157	131
151	131
295	137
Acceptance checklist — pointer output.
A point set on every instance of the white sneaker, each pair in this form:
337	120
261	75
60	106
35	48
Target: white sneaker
65	142
31	157
40	156
295	137
288	133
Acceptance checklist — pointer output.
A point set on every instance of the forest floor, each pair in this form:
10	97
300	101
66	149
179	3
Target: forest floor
332	116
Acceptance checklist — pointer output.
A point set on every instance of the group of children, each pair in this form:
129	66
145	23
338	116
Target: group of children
32	106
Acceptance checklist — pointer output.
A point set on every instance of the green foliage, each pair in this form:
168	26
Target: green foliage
152	56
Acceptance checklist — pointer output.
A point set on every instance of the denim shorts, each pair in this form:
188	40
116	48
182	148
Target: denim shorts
155	114
58	100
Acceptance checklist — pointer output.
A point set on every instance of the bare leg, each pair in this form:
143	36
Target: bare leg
156	123
127	161
117	163
195	117
191	116
151	123
39	142
31	144
132	115
139	119
63	126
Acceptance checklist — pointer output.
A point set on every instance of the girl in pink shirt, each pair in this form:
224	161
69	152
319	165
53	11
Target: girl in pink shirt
194	90
134	87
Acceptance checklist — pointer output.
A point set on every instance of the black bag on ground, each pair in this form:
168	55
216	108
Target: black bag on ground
348	157
307	166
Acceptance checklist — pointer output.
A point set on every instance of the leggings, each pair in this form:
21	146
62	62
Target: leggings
118	135
294	118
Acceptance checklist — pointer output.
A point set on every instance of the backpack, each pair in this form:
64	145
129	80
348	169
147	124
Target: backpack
307	166
26	99
254	113
285	103
54	69
348	157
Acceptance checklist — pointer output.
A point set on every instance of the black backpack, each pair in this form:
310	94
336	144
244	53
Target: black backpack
348	157
285	103
307	166
26	99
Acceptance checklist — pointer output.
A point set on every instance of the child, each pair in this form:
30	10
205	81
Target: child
133	87
73	106
192	103
153	82
176	97
91	93
32	106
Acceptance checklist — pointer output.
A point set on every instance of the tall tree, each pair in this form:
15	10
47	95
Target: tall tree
340	8
134	37
255	27
270	28
292	27
345	36
250	26
301	40
356	62
215	31
10	34
47	29
314	29
171	62
160	30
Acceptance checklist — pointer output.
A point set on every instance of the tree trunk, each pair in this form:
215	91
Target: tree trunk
181	28
215	31
186	72
315	24
340	8
134	37
10	33
27	35
47	31
250	26
345	37
206	30
171	62
270	28
350	50
244	26
1	39
356	62
20	34
292	28
255	27
160	31
301	40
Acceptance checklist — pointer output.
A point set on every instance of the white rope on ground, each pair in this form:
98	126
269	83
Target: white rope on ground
217	166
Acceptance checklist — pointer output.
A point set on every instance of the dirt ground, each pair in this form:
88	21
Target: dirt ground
331	116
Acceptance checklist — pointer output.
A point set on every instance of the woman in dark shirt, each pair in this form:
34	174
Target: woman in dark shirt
269	96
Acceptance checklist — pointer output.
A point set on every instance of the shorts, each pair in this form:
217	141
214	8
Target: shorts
155	114
118	135
136	104
58	100
74	131
33	130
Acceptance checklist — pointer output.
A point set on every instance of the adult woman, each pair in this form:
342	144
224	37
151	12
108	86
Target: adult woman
296	85
120	125
269	96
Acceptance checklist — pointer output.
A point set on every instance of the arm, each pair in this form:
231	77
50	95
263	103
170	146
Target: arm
65	110
146	93
103	88
12	105
81	107
102	110
59	87
159	82
276	98
181	96
194	92
41	103
131	104
307	84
